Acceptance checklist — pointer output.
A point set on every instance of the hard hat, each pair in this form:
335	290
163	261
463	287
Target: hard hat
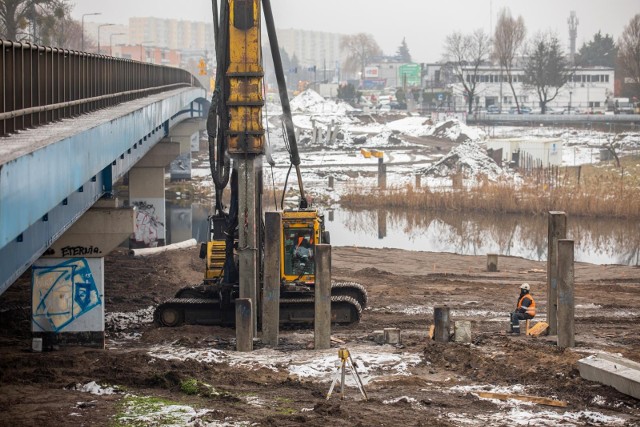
525	287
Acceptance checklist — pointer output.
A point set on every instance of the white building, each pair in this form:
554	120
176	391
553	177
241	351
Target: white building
528	153
589	90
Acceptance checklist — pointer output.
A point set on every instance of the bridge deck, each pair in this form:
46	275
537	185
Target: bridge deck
50	175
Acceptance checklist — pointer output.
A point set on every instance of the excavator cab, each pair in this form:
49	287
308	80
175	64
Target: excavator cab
301	231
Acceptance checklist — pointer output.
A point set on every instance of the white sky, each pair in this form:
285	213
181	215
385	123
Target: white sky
424	23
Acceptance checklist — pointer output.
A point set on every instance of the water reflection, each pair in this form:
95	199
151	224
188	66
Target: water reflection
597	241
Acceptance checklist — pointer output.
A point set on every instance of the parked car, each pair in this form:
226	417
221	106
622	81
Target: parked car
493	109
523	110
555	110
398	105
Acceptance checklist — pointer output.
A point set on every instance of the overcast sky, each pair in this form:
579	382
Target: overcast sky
424	23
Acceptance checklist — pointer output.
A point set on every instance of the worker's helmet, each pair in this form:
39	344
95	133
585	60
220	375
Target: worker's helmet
525	287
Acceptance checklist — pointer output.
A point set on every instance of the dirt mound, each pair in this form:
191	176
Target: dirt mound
369	271
468	158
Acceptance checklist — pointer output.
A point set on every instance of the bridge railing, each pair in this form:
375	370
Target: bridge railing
41	84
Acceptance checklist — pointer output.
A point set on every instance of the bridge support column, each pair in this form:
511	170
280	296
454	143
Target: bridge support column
187	134
68	281
146	193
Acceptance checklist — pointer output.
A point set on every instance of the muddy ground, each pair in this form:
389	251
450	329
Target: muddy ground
40	388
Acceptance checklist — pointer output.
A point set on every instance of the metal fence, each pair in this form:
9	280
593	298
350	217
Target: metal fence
526	119
41	84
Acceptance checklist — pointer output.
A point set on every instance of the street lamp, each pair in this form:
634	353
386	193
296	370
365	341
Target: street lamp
111	41
86	14
101	25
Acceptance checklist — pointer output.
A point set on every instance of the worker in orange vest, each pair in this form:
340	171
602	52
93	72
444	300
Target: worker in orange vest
526	309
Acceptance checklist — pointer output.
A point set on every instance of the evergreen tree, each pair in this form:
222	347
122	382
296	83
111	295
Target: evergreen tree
348	93
403	52
601	51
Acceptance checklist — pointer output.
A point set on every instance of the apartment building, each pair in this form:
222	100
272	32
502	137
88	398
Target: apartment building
171	34
311	47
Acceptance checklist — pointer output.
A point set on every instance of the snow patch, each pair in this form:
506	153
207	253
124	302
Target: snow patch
371	362
117	322
368	365
94	388
312	102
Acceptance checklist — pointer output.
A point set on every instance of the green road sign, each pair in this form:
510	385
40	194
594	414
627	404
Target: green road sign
412	73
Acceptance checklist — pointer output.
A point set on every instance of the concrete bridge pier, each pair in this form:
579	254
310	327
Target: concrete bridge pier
187	133
68	280
146	194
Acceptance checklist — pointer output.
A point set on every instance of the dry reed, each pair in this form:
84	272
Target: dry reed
590	191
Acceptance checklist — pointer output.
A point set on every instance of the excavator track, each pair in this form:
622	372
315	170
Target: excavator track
297	311
192	311
293	311
351	289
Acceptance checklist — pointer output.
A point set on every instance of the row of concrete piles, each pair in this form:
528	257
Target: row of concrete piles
560	290
245	330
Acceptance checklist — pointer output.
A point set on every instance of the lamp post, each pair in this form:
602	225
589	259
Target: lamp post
99	26
86	14
111	41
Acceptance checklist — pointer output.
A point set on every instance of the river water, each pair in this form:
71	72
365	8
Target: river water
597	241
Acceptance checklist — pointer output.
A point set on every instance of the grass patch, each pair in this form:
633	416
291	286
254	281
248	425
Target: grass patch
193	387
189	386
286	411
144	411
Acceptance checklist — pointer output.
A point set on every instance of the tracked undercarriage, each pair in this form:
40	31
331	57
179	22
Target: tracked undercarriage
214	305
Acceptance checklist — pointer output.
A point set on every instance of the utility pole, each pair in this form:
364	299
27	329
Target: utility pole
324	69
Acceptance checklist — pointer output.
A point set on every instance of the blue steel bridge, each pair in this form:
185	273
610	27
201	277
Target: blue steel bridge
71	125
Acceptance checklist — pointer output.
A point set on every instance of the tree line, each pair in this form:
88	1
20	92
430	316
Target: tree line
546	68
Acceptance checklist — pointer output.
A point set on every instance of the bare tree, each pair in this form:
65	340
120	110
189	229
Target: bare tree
464	54
45	17
546	68
629	49
508	41
613	145
360	49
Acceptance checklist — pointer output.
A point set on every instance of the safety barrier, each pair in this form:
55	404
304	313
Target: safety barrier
41	84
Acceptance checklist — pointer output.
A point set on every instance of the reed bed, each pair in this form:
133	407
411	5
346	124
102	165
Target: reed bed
590	191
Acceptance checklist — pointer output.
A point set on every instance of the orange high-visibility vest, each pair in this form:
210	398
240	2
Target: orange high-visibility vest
300	239
531	310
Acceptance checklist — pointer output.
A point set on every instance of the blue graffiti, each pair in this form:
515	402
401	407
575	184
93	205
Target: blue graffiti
62	293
